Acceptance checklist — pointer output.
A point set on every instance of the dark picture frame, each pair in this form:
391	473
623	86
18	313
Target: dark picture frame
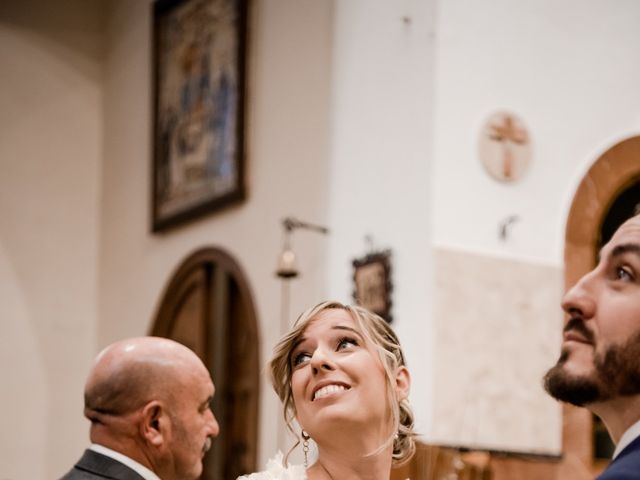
372	283
199	85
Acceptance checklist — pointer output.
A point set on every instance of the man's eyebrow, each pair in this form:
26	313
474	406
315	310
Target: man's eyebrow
625	248
619	250
206	403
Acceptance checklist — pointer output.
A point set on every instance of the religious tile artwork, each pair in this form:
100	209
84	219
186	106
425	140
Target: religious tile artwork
505	146
199	84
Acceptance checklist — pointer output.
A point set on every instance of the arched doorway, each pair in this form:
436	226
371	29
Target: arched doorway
207	306
600	204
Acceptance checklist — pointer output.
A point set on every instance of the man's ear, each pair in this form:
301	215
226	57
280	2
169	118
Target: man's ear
403	383
154	425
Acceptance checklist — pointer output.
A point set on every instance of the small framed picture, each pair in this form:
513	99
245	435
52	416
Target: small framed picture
199	104
372	282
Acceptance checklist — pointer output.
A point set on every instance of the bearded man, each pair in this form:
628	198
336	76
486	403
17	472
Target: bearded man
599	365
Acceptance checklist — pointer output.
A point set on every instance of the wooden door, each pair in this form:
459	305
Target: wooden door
208	307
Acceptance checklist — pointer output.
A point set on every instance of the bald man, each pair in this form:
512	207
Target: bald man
148	400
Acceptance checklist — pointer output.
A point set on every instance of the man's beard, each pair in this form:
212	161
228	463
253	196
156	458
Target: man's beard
616	373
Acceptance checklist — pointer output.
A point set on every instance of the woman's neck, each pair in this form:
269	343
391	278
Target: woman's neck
338	464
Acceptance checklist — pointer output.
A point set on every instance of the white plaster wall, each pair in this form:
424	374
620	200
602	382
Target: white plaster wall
287	136
381	160
569	69
50	150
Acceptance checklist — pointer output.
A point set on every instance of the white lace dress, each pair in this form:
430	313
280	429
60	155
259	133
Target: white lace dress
276	471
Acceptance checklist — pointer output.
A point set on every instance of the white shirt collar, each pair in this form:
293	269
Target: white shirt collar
141	470
627	437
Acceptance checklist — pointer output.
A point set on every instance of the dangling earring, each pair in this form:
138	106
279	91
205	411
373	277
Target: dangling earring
305	447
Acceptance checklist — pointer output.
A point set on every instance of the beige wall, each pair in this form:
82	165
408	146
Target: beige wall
50	151
287	142
78	266
25	394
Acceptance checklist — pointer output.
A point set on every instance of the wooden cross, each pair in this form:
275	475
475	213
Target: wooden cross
507	133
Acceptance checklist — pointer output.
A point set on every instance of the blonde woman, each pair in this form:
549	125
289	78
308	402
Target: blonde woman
340	373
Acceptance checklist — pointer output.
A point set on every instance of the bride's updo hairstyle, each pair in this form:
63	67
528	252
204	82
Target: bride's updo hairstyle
377	333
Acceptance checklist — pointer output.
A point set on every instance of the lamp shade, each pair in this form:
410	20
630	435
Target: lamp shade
287	267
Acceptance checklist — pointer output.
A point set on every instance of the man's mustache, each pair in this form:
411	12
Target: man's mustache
207	445
577	325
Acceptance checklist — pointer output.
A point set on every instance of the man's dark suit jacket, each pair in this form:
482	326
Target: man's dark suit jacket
626	466
94	465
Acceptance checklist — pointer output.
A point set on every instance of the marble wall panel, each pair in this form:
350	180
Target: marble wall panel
497	330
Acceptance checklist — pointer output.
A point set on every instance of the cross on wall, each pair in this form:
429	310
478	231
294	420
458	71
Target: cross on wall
507	133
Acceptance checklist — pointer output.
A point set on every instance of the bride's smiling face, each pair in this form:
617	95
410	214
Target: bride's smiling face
337	376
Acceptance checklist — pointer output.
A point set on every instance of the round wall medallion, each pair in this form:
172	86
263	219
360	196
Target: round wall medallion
505	148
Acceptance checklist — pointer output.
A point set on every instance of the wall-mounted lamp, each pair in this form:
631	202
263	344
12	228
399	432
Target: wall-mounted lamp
287	269
287	265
